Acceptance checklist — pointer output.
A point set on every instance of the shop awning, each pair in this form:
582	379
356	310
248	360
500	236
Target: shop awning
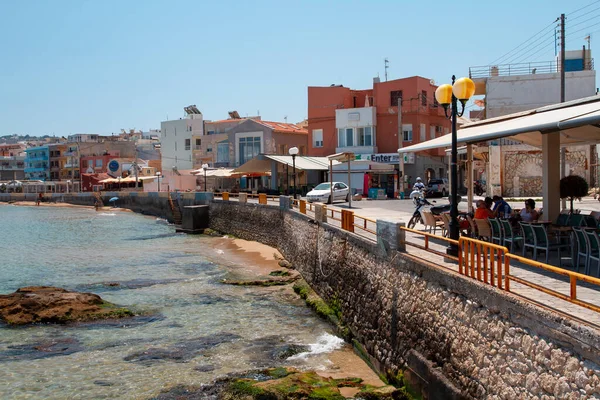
578	121
303	162
254	166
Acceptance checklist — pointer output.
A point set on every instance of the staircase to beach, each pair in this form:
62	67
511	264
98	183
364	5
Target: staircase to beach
174	204
98	197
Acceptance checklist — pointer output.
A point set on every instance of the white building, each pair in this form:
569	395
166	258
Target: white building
176	140
514	169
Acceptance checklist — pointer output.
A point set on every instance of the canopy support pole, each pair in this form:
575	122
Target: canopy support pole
470	177
551	176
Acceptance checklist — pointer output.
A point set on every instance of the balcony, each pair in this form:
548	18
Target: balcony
357	149
39	157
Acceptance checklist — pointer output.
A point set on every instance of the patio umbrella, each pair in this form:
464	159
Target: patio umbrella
113	199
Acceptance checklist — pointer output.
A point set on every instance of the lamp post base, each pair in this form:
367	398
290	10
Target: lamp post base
452	250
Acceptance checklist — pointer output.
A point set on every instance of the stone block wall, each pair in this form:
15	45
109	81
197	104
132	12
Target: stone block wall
486	342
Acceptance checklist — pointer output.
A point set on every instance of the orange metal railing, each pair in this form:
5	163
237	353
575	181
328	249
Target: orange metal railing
427	236
483	261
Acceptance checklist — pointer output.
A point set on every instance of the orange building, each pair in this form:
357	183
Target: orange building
366	123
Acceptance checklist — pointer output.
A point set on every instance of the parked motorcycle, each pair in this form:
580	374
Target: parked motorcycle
478	188
420	203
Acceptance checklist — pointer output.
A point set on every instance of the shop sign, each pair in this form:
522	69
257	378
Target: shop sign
387	158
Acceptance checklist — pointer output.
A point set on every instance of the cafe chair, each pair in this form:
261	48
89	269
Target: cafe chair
509	235
496	231
593	254
562	219
543	243
484	230
581	249
528	238
576	220
471	221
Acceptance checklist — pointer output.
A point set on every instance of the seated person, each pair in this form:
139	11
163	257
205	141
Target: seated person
529	214
483	211
501	207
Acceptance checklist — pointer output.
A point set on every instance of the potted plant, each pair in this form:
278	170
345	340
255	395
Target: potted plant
573	187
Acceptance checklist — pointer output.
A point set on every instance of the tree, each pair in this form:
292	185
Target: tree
573	187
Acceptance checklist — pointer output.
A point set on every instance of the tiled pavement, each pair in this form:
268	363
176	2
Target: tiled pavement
586	292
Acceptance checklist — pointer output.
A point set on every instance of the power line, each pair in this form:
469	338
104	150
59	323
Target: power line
528	54
582	8
584	21
583	29
546	28
540	48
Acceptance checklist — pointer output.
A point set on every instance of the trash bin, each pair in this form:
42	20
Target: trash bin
401	195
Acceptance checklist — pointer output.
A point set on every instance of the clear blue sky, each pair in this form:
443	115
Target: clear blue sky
97	66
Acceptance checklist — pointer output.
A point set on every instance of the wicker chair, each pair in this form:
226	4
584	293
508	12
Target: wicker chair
484	230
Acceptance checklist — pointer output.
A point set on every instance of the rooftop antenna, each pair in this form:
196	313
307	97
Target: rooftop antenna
285	119
387	65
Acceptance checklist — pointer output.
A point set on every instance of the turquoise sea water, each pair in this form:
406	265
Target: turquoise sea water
196	328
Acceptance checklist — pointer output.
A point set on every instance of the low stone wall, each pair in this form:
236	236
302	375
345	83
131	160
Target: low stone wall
403	310
149	203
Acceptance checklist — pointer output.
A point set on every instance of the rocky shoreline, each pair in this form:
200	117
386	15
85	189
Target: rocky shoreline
47	304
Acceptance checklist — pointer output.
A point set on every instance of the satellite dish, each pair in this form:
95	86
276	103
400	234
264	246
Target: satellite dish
432	82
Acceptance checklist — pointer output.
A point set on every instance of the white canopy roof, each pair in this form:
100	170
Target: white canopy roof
304	162
578	121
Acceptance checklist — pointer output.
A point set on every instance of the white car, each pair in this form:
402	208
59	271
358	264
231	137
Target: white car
322	193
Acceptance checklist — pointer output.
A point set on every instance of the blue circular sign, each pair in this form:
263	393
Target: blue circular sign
113	165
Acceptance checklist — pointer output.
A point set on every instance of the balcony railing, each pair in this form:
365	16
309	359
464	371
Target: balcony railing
539	67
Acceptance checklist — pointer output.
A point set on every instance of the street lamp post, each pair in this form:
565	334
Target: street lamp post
448	95
294	152
158	179
205	167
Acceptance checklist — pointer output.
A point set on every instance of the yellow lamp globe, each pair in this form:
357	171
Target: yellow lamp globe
463	88
443	94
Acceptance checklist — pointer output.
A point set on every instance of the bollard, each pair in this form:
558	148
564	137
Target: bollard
390	237
262	198
348	220
320	212
302	207
225	196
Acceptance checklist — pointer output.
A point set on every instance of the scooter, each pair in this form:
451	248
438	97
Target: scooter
421	203
478	188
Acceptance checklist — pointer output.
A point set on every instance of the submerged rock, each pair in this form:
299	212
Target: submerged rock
280	384
46	304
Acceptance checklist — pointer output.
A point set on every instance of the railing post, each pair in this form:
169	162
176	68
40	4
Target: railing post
225	196
573	280
243	197
302	207
460	253
348	220
320	212
390	236
506	273
262	198
285	202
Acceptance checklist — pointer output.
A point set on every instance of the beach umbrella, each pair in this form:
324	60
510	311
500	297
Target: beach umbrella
113	199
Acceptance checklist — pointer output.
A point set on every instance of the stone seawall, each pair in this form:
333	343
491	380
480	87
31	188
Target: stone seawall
149	203
407	312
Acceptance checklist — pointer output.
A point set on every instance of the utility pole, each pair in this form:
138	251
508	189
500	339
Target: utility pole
135	167
401	155
386	64
563	155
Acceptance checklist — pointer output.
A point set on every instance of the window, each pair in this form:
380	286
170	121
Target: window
408	132
423	133
249	148
424	98
211	132
432	132
349	137
364	136
209	149
317	137
188	144
341	138
223	152
395	95
198	142
99	163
